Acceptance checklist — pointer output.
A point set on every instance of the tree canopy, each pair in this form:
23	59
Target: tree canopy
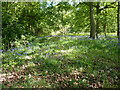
39	19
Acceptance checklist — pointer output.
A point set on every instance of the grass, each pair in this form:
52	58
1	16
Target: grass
62	62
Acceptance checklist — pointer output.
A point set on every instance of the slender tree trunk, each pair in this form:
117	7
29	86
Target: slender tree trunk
105	28
118	34
92	22
118	20
105	24
97	20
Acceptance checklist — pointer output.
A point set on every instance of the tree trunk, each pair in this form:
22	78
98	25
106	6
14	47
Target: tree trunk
118	21
92	22
105	24
105	28
118	33
97	20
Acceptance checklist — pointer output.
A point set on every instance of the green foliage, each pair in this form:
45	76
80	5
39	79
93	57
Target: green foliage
39	19
65	56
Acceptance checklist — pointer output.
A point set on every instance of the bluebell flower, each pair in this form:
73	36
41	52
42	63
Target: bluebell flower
71	36
25	53
77	60
14	49
47	53
18	54
1	51
54	53
39	37
8	50
29	43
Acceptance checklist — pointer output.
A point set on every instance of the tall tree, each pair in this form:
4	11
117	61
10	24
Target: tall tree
118	20
118	33
105	23
92	22
99	8
97	20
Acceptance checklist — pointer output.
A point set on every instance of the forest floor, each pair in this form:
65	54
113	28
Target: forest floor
62	61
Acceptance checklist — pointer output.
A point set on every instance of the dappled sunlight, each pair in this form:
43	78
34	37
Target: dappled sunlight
56	33
73	63
27	57
31	64
69	60
56	44
63	30
67	51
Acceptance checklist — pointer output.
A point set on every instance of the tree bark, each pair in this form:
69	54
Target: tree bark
92	22
97	20
105	29
105	24
118	20
118	33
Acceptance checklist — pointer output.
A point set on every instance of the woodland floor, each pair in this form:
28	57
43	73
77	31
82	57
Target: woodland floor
62	61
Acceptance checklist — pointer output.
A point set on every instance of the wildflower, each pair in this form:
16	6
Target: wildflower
77	60
19	54
47	53
25	53
13	49
1	51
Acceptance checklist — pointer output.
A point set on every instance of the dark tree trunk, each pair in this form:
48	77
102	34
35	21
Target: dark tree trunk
97	20
118	34
92	22
105	28
105	24
118	21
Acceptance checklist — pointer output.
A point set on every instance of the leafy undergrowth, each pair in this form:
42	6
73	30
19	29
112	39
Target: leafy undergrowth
58	62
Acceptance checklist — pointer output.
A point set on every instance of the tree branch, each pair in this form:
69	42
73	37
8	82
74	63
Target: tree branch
107	6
